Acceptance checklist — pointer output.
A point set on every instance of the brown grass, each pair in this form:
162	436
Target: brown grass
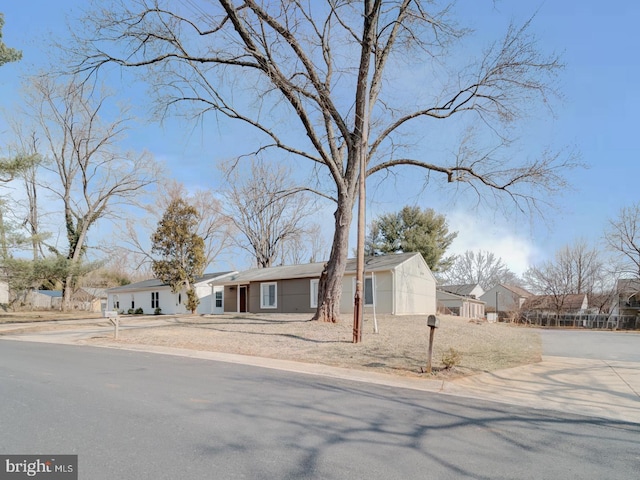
44	316
399	348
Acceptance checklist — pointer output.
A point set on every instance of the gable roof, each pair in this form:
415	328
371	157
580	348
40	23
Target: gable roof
521	292
463	290
156	283
568	302
94	292
446	295
313	270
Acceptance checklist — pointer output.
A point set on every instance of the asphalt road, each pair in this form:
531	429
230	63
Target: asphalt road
592	344
132	415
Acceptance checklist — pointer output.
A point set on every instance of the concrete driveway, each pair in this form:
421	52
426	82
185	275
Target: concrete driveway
583	372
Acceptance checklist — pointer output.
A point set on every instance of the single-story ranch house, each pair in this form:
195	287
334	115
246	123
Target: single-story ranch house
151	294
398	284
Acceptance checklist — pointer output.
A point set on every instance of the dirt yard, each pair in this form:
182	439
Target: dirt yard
399	348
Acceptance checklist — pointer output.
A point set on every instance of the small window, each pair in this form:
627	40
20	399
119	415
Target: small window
368	292
369	298
268	295
218	299
155	299
313	292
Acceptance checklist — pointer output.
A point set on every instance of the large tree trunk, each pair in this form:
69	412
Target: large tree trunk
67	290
330	285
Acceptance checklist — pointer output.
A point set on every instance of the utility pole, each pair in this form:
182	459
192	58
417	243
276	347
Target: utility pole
362	127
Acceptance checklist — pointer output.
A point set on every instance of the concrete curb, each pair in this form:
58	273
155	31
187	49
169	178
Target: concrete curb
597	388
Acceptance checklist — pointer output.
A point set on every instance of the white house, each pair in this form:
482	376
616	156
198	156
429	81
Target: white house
153	294
505	298
398	284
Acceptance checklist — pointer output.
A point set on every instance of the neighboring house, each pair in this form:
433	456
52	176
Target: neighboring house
44	299
463	306
471	290
505	298
152	294
560	304
89	299
398	284
628	296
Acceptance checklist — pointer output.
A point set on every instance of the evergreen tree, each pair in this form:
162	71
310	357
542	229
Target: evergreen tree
181	250
412	230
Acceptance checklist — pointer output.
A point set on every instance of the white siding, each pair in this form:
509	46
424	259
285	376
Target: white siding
415	288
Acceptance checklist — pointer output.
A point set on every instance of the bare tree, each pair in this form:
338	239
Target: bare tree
481	267
576	269
91	176
623	238
268	210
212	225
308	246
331	69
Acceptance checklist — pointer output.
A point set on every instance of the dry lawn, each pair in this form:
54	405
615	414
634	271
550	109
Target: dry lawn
43	316
399	348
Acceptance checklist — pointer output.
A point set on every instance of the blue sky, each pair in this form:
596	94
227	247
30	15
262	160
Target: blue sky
597	116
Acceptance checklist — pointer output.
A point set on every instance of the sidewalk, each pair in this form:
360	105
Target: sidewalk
604	389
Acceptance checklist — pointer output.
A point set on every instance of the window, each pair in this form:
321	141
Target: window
155	299
268	295
369	298
313	292
368	292
219	299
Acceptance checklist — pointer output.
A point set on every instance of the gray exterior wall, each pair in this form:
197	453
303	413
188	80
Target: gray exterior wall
383	293
405	288
231	299
292	296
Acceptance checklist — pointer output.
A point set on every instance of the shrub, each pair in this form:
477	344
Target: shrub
451	358
157	311
139	311
131	311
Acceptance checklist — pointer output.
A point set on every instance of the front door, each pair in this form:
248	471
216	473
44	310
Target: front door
242	301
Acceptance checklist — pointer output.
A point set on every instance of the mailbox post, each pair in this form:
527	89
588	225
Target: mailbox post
115	321
433	322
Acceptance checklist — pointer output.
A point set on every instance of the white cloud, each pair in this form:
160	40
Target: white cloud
475	233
